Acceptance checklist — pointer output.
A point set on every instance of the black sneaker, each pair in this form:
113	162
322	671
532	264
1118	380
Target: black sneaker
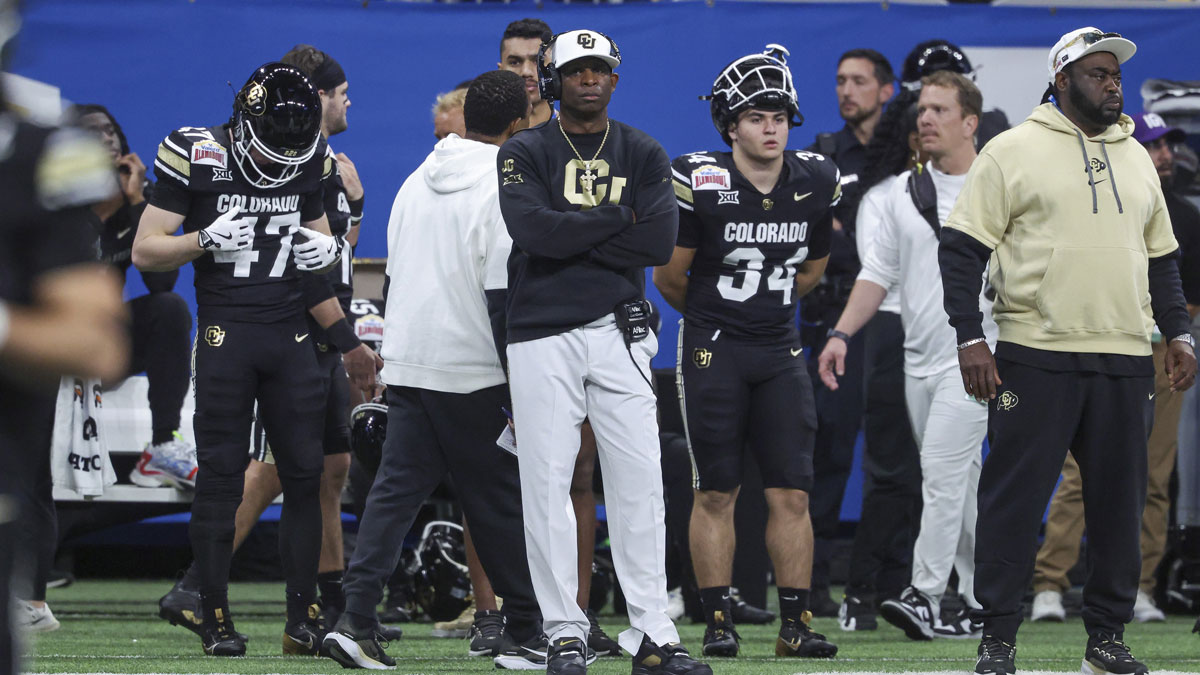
486	634
913	613
567	656
221	639
669	659
598	641
355	646
305	638
744	613
821	604
1107	654
796	638
529	655
996	657
720	639
388	633
957	626
854	614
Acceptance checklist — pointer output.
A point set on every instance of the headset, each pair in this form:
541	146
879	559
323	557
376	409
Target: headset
549	79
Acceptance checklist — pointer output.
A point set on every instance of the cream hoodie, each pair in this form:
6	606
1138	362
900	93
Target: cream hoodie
1072	222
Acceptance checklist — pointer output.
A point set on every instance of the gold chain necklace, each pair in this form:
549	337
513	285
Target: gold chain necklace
588	180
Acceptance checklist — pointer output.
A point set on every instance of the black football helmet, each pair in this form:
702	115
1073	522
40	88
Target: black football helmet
277	113
761	81
368	428
931	56
443	586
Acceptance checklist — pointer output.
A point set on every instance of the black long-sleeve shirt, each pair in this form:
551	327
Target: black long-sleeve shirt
577	254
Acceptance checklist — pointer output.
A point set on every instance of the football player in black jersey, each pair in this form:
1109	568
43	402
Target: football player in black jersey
754	233
249	197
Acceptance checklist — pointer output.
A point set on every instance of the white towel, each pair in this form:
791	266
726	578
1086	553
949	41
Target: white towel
80	456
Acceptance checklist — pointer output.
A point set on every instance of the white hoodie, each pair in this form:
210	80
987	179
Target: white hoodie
447	243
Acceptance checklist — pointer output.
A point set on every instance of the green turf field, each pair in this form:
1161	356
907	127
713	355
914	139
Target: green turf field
112	627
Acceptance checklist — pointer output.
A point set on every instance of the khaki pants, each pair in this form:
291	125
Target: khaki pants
1064	525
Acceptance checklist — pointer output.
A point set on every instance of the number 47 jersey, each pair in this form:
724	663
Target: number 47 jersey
749	245
198	179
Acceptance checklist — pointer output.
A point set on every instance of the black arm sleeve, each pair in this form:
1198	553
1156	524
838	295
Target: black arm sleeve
315	289
535	226
651	240
962	260
1166	296
497	313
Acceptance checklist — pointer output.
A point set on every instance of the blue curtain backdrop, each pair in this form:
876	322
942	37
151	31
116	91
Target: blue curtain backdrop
162	64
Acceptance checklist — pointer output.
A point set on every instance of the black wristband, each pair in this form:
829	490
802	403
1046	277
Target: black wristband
356	209
834	333
341	336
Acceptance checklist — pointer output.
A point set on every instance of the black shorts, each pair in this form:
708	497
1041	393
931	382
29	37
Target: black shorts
238	364
737	393
336	438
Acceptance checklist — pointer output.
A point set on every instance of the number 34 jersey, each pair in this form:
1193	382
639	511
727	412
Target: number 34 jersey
749	244
198	179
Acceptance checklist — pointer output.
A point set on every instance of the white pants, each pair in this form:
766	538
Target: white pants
949	429
556	382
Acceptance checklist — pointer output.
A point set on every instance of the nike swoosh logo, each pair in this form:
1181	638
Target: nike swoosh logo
794	597
307	645
799	196
300	338
123	232
220	234
1151	397
796	352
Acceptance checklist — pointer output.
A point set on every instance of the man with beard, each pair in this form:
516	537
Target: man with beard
1084	266
864	85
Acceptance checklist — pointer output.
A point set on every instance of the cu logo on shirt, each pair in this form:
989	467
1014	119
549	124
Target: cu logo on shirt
576	190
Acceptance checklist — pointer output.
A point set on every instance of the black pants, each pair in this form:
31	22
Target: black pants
1036	417
38	526
839	416
162	332
431	434
881	559
237	364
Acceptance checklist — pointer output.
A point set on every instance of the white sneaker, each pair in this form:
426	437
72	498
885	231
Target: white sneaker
35	619
1047	606
170	463
1144	609
675	608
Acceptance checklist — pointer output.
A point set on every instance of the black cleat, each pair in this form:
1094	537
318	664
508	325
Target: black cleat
529	655
222	639
669	659
486	635
356	646
181	607
305	638
745	613
720	639
597	640
388	633
821	604
797	639
1107	654
567	656
996	657
913	613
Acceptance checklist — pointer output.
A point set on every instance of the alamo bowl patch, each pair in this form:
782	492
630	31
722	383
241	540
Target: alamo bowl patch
210	153
369	327
710	178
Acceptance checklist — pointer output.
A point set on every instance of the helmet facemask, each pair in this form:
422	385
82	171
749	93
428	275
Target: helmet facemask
277	115
758	81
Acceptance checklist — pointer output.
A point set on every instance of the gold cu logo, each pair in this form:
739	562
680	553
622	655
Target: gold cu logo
508	165
214	336
576	169
256	99
702	357
1007	401
586	40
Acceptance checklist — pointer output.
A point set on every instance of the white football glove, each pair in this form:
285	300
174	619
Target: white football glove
319	253
228	232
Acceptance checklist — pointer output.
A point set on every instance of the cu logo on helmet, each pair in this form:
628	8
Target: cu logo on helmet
586	40
256	98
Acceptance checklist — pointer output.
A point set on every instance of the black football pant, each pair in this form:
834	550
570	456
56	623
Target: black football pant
430	434
235	365
1036	417
881	559
38	526
839	416
161	332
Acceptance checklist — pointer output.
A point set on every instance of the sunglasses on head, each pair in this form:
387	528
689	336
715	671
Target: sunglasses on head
1093	37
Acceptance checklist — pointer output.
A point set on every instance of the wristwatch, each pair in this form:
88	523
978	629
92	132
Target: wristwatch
1185	337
